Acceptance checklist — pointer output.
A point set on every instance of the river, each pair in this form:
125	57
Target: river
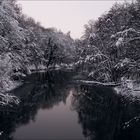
54	108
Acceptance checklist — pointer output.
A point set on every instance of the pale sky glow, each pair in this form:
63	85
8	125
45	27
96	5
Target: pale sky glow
65	15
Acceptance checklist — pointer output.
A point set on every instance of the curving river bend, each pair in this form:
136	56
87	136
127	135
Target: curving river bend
54	108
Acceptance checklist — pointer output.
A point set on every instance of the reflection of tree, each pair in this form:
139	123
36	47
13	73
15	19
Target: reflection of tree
34	96
102	113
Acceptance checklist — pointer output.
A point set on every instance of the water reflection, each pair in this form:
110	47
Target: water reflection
34	95
47	111
104	115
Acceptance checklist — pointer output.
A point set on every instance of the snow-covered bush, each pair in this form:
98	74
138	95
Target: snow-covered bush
8	100
6	68
95	64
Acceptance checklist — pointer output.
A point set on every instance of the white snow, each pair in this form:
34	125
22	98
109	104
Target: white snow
92	35
119	42
7	99
98	83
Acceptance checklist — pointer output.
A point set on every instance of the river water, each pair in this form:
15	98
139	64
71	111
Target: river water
54	108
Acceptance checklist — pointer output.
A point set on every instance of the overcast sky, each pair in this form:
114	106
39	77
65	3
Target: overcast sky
66	15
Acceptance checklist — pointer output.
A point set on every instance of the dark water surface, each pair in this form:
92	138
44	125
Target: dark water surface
53	108
53	121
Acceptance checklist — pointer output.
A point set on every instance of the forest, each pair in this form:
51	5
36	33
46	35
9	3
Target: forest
107	53
46	75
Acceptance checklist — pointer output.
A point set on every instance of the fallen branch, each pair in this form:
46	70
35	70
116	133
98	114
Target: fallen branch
95	83
131	122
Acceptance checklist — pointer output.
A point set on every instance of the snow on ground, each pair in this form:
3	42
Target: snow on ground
129	88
